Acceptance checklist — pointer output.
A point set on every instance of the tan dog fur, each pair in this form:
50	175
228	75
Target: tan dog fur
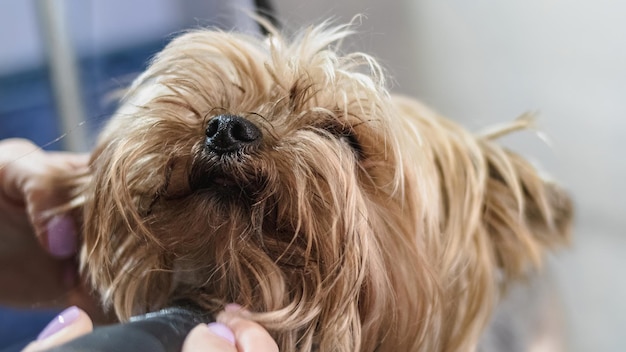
361	221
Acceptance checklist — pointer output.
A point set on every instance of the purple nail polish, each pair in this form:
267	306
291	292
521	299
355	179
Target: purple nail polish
61	236
65	318
223	331
233	307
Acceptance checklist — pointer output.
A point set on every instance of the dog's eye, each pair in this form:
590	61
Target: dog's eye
346	135
351	140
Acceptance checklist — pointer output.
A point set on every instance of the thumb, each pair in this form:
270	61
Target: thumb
68	325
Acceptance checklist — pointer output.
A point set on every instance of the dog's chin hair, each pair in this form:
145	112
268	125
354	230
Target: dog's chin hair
361	221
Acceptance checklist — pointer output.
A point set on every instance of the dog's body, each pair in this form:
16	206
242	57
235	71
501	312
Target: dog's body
283	176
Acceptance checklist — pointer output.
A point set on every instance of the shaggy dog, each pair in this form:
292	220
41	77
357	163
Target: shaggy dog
283	176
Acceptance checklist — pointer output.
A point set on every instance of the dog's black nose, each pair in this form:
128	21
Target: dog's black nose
229	133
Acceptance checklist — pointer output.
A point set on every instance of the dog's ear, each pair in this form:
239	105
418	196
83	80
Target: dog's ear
523	214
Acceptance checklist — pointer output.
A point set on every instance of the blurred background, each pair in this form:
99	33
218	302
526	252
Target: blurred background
479	63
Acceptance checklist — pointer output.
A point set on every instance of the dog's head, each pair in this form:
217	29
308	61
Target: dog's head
282	176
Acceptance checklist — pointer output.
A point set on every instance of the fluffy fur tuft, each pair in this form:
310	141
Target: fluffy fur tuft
360	221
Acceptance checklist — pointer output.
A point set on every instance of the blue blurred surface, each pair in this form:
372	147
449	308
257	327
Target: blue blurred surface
27	107
18	327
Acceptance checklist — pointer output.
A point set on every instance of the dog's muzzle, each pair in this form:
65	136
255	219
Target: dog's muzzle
231	133
226	165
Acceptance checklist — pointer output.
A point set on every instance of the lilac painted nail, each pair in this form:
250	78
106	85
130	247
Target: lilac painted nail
233	307
223	331
64	319
61	236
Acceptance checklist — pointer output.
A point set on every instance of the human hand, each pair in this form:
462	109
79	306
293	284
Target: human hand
233	332
37	265
234	327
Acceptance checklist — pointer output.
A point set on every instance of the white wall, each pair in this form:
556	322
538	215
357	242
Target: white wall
490	60
567	59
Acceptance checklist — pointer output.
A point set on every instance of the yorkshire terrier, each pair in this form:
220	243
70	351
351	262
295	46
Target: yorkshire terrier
282	175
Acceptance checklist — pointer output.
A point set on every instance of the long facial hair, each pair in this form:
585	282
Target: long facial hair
358	222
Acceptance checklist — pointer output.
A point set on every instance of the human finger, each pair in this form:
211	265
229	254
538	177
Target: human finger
47	187
37	181
214	337
249	335
68	325
15	155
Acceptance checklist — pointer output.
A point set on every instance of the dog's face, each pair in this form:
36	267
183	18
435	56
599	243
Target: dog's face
282	176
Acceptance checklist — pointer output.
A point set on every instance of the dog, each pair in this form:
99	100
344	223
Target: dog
281	174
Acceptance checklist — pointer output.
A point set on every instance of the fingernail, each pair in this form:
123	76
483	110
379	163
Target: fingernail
223	331
232	307
61	236
66	318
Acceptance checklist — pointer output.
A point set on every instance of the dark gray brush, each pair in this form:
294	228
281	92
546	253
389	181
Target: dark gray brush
162	331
